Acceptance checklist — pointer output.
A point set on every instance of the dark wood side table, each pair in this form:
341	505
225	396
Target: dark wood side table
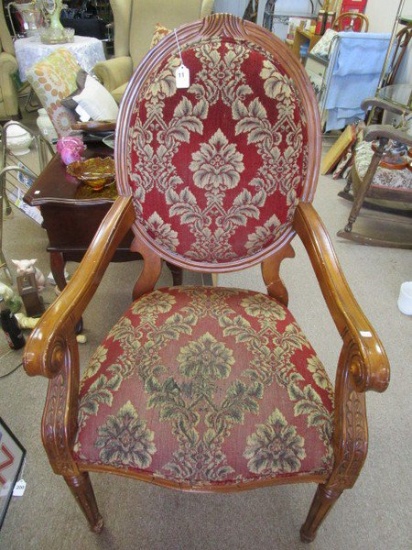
72	213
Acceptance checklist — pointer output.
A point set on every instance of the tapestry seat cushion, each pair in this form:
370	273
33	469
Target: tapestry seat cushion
189	375
384	178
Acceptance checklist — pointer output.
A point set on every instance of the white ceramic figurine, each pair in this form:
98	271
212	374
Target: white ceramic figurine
25	267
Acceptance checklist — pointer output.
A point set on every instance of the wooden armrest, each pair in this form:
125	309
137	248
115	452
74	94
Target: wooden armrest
377	131
44	351
348	317
375	102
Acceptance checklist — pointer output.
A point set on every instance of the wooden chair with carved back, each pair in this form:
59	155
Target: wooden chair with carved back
351	21
205	388
381	178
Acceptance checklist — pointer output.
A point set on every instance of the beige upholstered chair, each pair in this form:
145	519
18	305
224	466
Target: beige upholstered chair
9	105
134	26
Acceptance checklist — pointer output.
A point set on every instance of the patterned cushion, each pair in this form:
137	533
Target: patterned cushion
83	100
53	79
217	169
206	386
399	180
160	32
323	47
384	177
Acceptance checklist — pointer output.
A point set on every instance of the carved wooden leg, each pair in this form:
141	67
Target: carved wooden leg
57	264
366	183
82	490
323	501
348	186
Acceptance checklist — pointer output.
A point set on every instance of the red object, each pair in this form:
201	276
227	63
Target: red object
330	18
354	6
357	6
243	161
320	23
169	406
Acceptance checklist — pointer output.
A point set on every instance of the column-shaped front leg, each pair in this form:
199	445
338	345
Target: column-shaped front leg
82	490
322	503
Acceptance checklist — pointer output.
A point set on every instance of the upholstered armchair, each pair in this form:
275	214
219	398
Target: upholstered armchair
9	103
212	388
134	27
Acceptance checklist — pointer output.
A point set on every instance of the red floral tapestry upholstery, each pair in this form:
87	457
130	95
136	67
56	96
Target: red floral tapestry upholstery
216	170
188	376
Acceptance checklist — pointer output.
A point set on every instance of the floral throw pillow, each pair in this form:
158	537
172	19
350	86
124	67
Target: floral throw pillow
53	79
159	33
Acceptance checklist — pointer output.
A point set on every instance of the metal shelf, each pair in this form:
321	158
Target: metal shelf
16	177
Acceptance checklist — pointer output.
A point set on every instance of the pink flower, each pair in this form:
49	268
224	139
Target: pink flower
71	149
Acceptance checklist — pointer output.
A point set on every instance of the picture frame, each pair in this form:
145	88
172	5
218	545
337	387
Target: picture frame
338	149
12	455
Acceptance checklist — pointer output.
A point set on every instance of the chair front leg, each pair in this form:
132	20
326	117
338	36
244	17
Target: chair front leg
321	505
350	439
82	491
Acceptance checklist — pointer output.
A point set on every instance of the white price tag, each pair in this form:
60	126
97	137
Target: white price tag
19	488
182	77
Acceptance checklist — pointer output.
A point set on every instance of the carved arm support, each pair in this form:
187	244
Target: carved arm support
363	356
47	347
376	102
362	365
52	350
386	132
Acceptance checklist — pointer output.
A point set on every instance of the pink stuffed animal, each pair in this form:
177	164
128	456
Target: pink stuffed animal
25	267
